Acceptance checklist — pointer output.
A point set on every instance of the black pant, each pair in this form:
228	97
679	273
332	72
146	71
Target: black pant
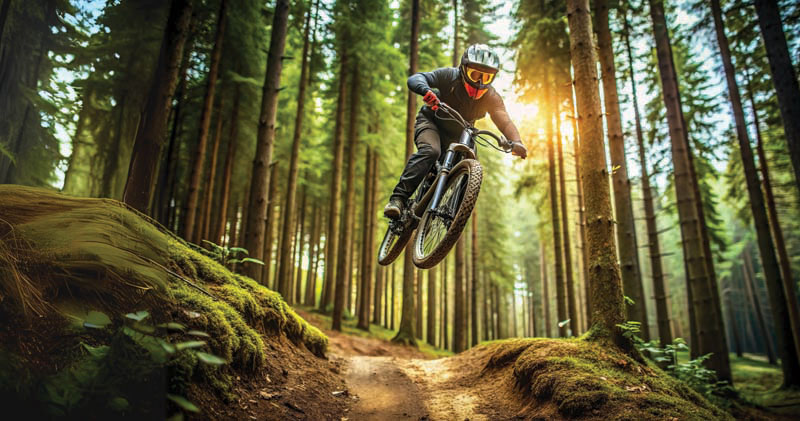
429	147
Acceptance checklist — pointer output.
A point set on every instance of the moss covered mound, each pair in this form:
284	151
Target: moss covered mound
578	379
63	258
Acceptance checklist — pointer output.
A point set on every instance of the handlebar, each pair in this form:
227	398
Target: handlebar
504	143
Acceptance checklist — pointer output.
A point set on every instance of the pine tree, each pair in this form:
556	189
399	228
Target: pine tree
607	305
150	135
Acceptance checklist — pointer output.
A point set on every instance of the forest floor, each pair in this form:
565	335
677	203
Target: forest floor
387	381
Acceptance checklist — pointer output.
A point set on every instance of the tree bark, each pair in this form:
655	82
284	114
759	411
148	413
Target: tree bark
781	312
257	202
334	212
607	303
153	124
230	158
298	279
459	326
783	76
626	228
777	232
212	174
269	225
344	271
587	314
752	294
545	293
474	276
653	243
313	256
191	206
365	281
431	334
294	160
561	299
572	310
406	333
710	337
445	313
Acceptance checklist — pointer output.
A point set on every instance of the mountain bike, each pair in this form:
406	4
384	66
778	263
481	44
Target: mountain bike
443	202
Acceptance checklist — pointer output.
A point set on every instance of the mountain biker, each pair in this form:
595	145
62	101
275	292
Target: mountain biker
468	90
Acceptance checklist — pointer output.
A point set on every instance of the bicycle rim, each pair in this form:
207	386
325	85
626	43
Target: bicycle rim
436	225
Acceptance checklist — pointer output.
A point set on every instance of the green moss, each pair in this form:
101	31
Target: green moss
107	257
586	377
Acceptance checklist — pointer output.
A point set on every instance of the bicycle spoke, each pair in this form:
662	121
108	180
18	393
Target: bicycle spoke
437	226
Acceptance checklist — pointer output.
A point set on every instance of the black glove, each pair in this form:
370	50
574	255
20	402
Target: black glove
518	149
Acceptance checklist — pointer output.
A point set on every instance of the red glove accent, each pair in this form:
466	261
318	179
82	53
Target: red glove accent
432	100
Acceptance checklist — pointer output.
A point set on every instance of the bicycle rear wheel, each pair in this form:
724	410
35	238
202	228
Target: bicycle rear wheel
440	228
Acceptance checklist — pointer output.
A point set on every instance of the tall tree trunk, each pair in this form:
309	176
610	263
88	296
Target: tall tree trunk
364	283
572	310
581	214
783	76
782	314
257	202
334	212
392	312
431	334
313	245
456	46
752	295
561	299
301	246
626	228
545	293
212	174
485	295
653	243
711	339
294	160
153	124
474	277
445	312
777	233
737	343
190	207
111	160
459	326
344	271
513	323
167	178
406	333
370	255
269	225
419	306
604	275
230	158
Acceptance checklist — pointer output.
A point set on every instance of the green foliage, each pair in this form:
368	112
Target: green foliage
115	374
693	372
229	256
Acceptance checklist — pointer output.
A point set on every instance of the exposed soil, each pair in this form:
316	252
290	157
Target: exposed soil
386	381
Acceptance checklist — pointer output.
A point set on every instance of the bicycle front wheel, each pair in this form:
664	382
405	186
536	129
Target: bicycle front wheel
441	227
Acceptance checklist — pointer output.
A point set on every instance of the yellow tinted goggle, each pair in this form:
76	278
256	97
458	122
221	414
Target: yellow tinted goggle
479	76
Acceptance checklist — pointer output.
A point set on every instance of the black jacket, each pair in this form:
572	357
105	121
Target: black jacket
448	82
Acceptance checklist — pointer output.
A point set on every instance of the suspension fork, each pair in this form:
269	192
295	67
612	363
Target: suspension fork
449	157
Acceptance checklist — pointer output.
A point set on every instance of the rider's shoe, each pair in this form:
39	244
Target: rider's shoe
394	208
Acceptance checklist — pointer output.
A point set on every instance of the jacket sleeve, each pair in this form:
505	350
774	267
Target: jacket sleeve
501	119
420	83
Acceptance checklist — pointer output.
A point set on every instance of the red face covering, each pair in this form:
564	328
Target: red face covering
473	92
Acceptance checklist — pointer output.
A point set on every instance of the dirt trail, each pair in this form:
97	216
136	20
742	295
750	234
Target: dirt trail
386	382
